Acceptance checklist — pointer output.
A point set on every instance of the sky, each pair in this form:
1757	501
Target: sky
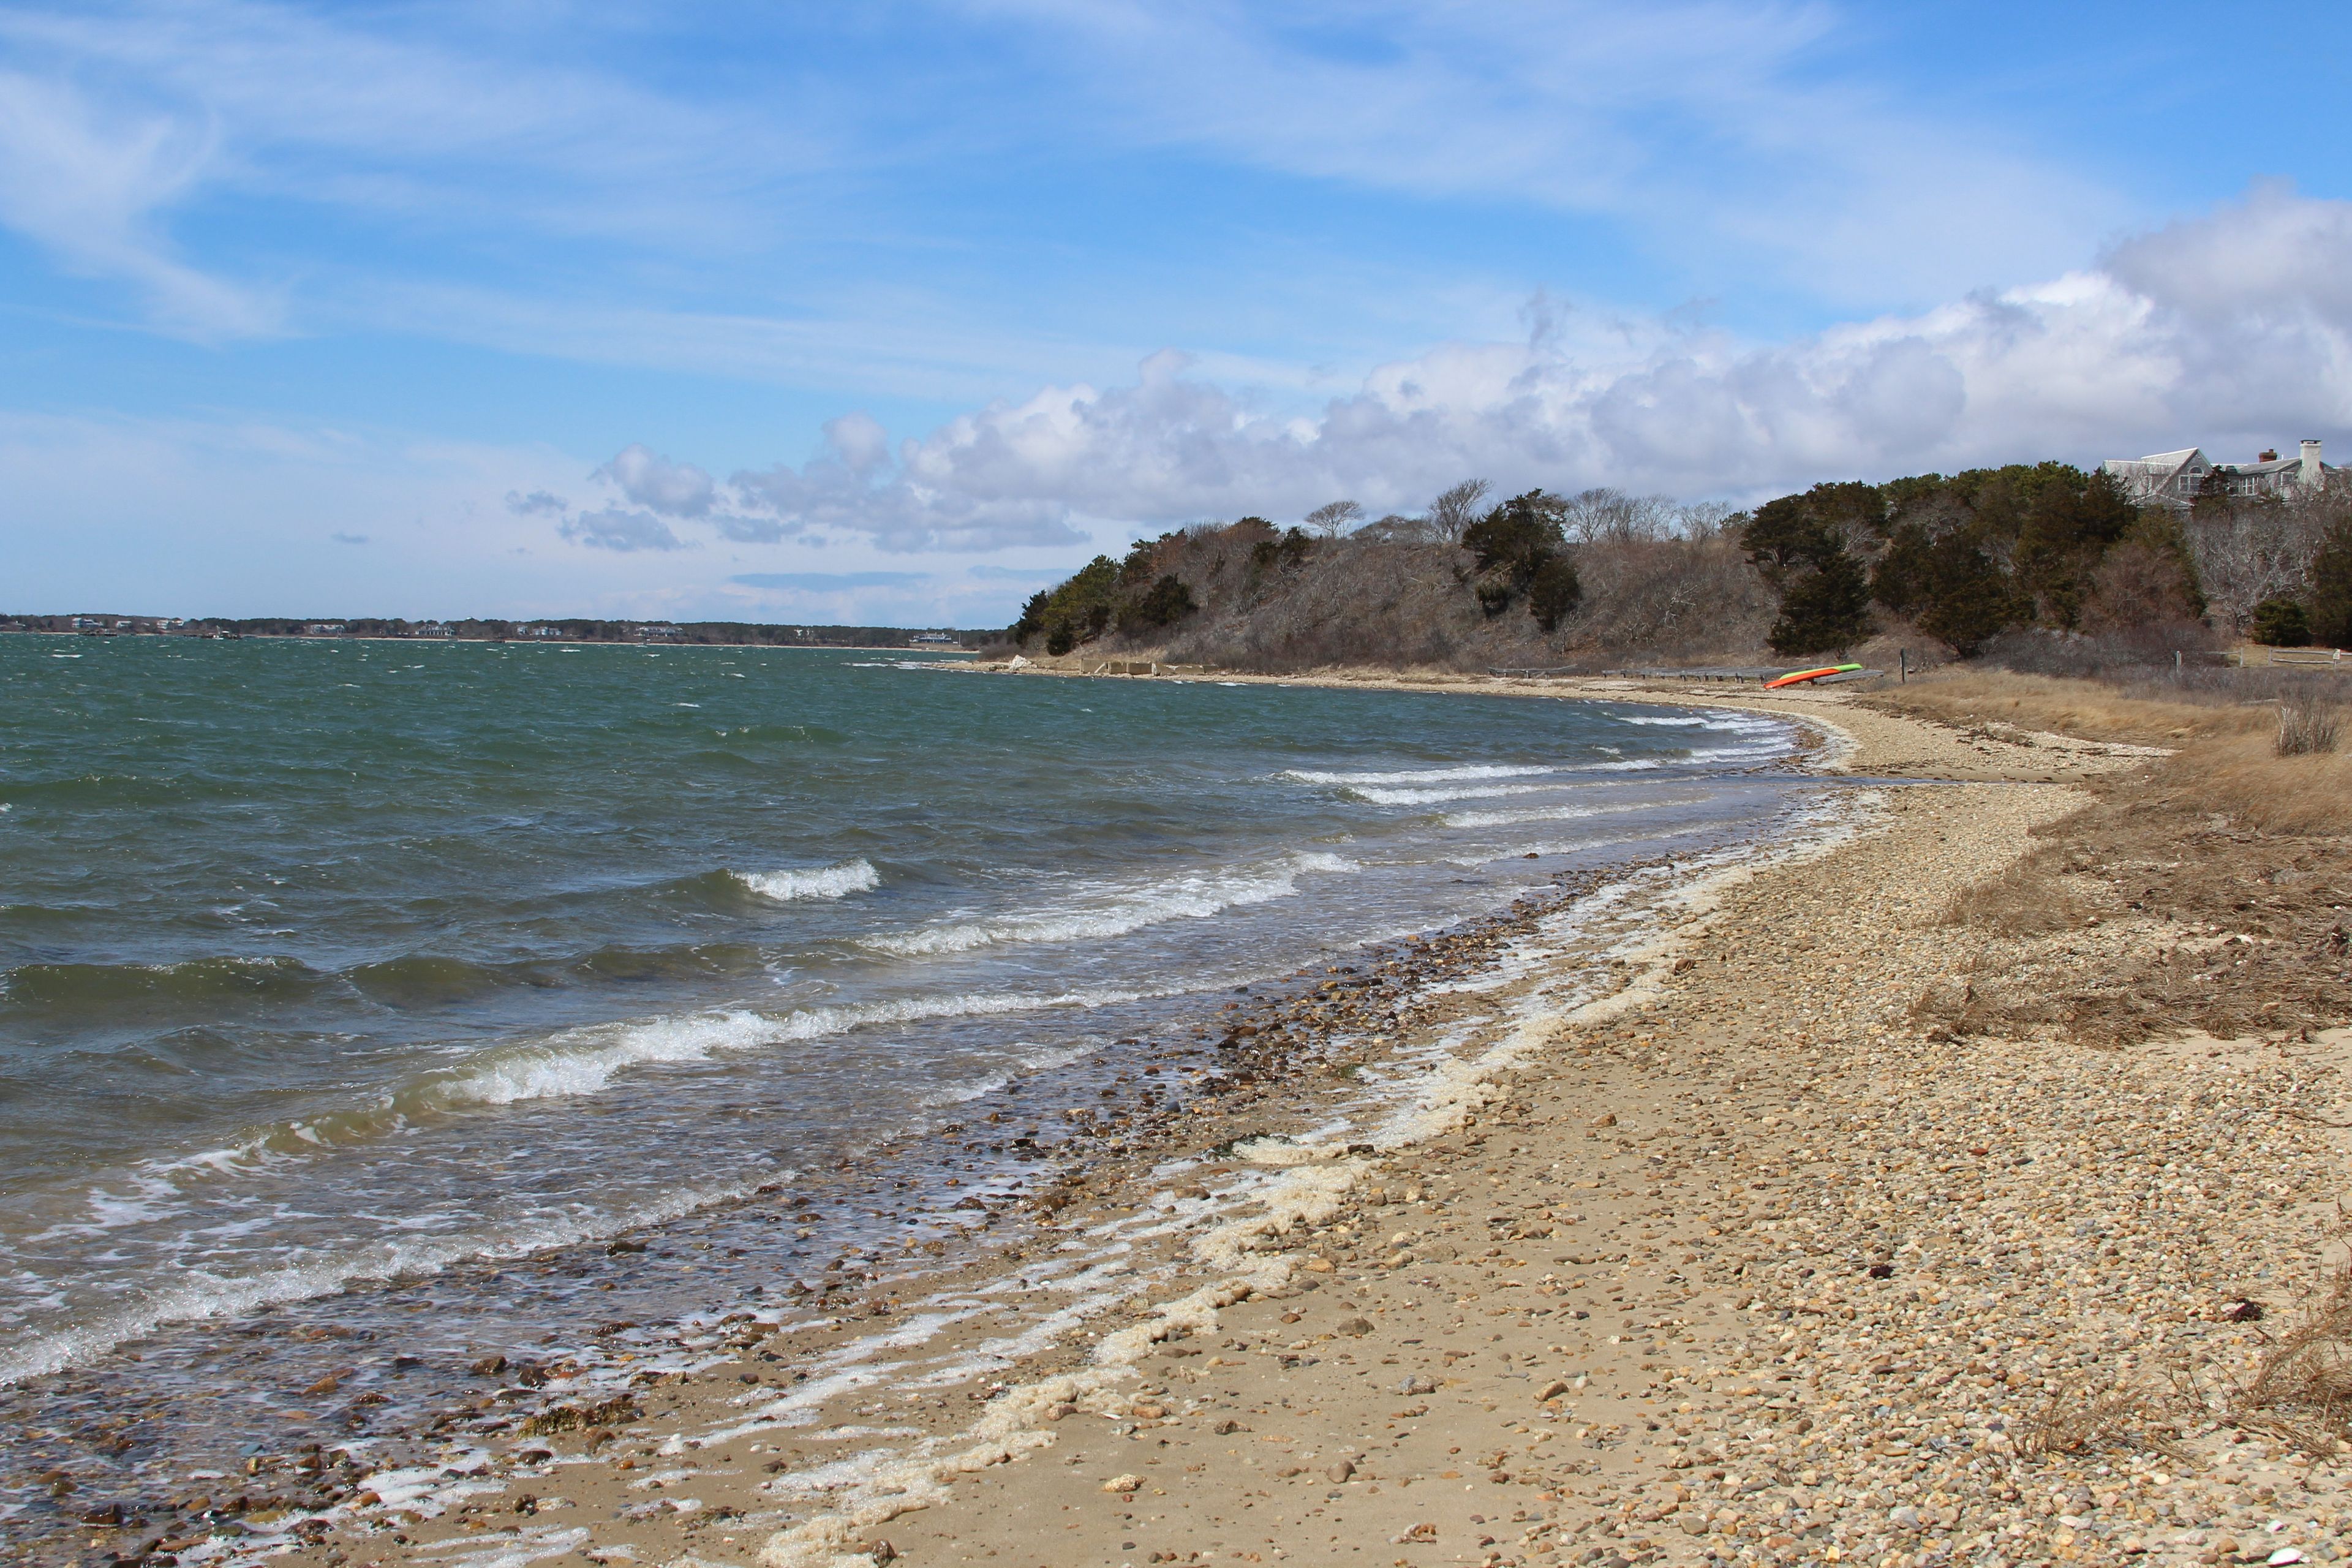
895	312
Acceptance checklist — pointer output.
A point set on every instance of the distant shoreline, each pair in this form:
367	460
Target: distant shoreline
178	634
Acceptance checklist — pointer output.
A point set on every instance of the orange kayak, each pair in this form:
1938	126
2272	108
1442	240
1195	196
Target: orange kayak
1796	677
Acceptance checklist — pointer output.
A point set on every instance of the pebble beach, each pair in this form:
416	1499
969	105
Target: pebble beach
1657	1220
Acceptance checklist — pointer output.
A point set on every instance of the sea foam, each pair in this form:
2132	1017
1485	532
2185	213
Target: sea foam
1114	913
823	882
1421	776
1461	791
583	1061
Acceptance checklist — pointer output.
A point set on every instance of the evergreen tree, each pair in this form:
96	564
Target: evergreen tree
1968	598
2281	623
1825	610
2330	609
1555	592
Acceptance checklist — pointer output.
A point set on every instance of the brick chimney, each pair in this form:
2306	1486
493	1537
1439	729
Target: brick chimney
2311	468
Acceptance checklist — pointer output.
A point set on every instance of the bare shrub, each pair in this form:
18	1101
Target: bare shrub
2085	1419
1669	596
2307	728
1656	582
2139	584
2153	650
2019	901
2301	1390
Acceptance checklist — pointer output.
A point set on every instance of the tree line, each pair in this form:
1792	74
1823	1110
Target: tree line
1960	558
1968	557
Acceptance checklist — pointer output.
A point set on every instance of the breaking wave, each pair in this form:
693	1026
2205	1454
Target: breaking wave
1117	914
1423	775
825	882
584	1060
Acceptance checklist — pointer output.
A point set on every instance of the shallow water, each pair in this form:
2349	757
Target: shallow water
322	964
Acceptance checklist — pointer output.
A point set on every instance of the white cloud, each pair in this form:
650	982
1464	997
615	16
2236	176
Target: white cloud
89	187
2234	328
1714	129
1693	129
615	528
680	490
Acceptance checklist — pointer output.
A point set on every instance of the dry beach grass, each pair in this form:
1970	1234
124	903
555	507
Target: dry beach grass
1959	1188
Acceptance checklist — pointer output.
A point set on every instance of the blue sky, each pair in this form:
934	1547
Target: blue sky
894	311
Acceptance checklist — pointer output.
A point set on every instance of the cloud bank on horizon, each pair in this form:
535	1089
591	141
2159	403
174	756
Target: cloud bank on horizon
486	313
2237	326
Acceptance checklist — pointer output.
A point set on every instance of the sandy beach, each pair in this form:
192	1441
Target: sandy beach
1664	1221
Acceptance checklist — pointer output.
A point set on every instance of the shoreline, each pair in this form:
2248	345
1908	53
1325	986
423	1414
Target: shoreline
93	1390
1665	1453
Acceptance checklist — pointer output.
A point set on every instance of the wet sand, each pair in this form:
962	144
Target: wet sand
1643	1224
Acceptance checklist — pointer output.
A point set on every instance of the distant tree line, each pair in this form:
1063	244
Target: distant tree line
733	633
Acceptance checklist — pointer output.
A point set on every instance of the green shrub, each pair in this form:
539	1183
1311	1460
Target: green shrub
2330	612
1167	602
1555	593
2281	623
1518	537
1518	548
1073	612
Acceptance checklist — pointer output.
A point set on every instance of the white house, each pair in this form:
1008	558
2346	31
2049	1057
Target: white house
2178	479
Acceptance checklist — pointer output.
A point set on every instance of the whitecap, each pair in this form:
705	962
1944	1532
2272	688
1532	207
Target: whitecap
823	882
1540	814
1115	912
1422	775
583	1061
1432	796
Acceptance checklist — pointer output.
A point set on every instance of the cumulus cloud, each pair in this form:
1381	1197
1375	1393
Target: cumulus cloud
614	529
538	503
676	489
2233	328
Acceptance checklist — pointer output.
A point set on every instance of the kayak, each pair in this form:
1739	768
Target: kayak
1796	676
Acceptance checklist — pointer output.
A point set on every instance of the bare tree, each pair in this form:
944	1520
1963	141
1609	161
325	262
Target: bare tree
2252	550
1702	520
1331	521
1454	509
1612	517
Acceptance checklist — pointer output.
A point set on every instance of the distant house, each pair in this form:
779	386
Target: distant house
429	629
2178	479
661	634
948	637
324	628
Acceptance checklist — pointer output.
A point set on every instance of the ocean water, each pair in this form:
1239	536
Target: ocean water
325	966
